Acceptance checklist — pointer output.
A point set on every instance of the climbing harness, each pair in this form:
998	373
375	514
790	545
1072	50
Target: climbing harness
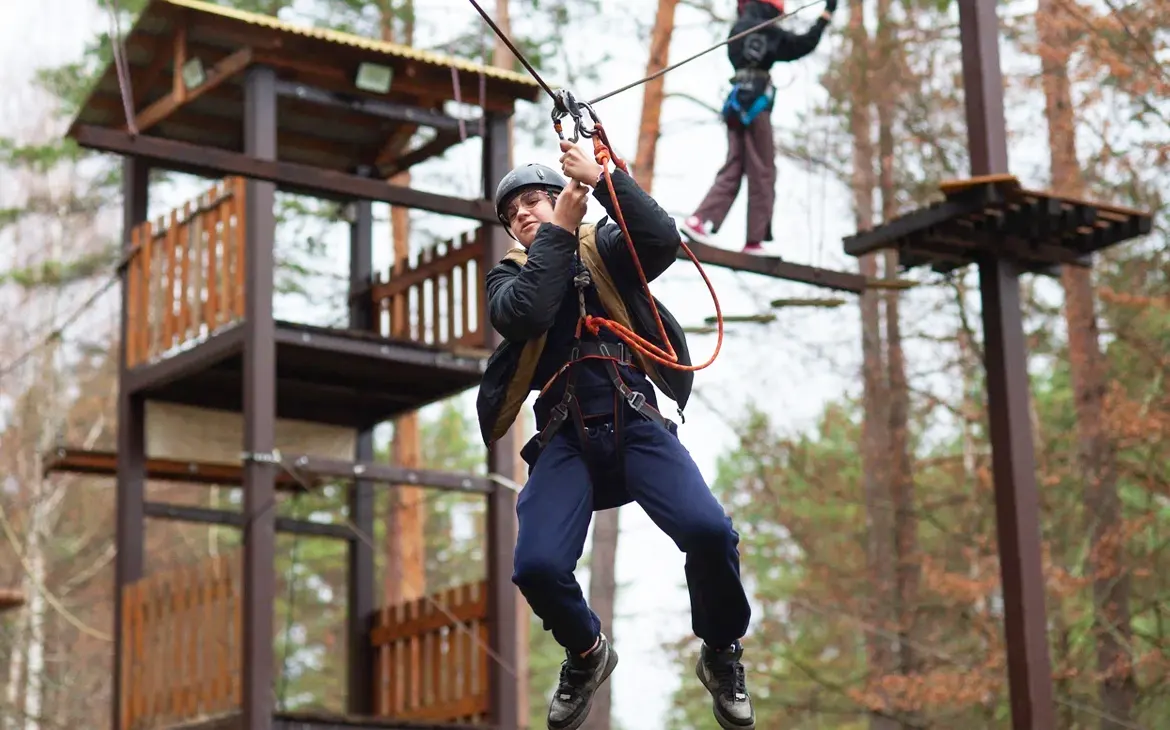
568	105
749	85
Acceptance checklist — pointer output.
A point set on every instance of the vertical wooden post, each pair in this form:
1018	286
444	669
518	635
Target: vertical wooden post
360	608
501	517
131	476
259	577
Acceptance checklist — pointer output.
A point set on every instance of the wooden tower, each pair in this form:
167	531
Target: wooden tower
213	389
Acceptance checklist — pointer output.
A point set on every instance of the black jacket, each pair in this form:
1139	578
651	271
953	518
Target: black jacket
770	44
523	302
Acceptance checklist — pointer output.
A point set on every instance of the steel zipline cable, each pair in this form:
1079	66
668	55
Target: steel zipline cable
548	90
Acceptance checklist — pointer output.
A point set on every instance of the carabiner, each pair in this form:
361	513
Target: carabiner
567	105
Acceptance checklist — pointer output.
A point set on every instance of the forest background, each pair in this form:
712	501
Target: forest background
848	443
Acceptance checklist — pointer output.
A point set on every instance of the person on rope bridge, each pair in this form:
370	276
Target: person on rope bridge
619	447
747	112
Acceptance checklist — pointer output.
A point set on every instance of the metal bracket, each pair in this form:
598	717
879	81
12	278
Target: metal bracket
271	457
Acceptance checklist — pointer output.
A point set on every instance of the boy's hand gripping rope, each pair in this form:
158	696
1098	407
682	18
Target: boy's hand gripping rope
568	105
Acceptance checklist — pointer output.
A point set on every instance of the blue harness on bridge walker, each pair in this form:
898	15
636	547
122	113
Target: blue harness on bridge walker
751	93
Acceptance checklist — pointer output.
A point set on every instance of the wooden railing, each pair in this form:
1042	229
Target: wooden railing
429	664
181	644
438	297
186	277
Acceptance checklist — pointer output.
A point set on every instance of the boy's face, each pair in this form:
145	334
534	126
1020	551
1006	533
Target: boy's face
526	212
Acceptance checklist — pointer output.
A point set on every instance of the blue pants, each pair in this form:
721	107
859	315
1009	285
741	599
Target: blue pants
556	505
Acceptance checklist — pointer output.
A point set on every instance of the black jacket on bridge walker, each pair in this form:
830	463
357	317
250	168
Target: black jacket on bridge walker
615	446
747	112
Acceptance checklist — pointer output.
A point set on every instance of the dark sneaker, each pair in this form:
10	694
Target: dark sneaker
722	674
580	678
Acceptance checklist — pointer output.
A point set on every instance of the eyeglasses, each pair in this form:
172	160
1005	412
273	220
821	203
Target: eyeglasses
528	200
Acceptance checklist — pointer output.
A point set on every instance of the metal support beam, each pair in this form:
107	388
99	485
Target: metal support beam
501	516
1017	503
373	107
229	518
360	606
131	469
316	466
216	163
259	406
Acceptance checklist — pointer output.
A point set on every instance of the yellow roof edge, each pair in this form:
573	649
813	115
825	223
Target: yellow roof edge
351	40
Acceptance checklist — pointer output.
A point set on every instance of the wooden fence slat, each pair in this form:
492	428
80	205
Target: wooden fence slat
240	240
171	327
211	310
183	314
134	287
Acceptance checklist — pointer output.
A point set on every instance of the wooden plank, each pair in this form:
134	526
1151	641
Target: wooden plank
414	668
452	330
149	294
183	316
170	330
467	610
465	302
198	269
126	693
211	310
237	625
467	642
198	635
105	463
133	285
438	321
240	241
952	187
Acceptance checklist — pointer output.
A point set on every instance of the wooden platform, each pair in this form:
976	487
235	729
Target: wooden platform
10	599
321	721
996	214
775	267
336	377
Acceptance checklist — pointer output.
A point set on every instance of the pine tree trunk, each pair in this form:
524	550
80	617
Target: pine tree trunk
653	94
1097	460
875	439
406	519
900	480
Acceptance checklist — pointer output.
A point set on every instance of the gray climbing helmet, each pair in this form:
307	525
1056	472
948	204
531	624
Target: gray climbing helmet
532	175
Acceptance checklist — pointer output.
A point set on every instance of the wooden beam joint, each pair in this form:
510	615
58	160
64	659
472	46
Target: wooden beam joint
180	95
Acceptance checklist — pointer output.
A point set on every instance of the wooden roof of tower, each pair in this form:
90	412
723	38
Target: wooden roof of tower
324	119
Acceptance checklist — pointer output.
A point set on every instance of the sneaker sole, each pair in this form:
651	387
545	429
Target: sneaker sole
610	664
724	722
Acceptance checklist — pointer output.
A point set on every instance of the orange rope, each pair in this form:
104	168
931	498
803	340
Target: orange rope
667	357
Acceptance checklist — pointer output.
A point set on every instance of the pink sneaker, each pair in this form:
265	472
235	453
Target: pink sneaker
697	230
754	247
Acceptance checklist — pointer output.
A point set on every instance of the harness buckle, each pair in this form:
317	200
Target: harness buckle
636	400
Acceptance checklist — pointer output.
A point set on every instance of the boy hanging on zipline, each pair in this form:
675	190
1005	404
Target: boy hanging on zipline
602	440
747	112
